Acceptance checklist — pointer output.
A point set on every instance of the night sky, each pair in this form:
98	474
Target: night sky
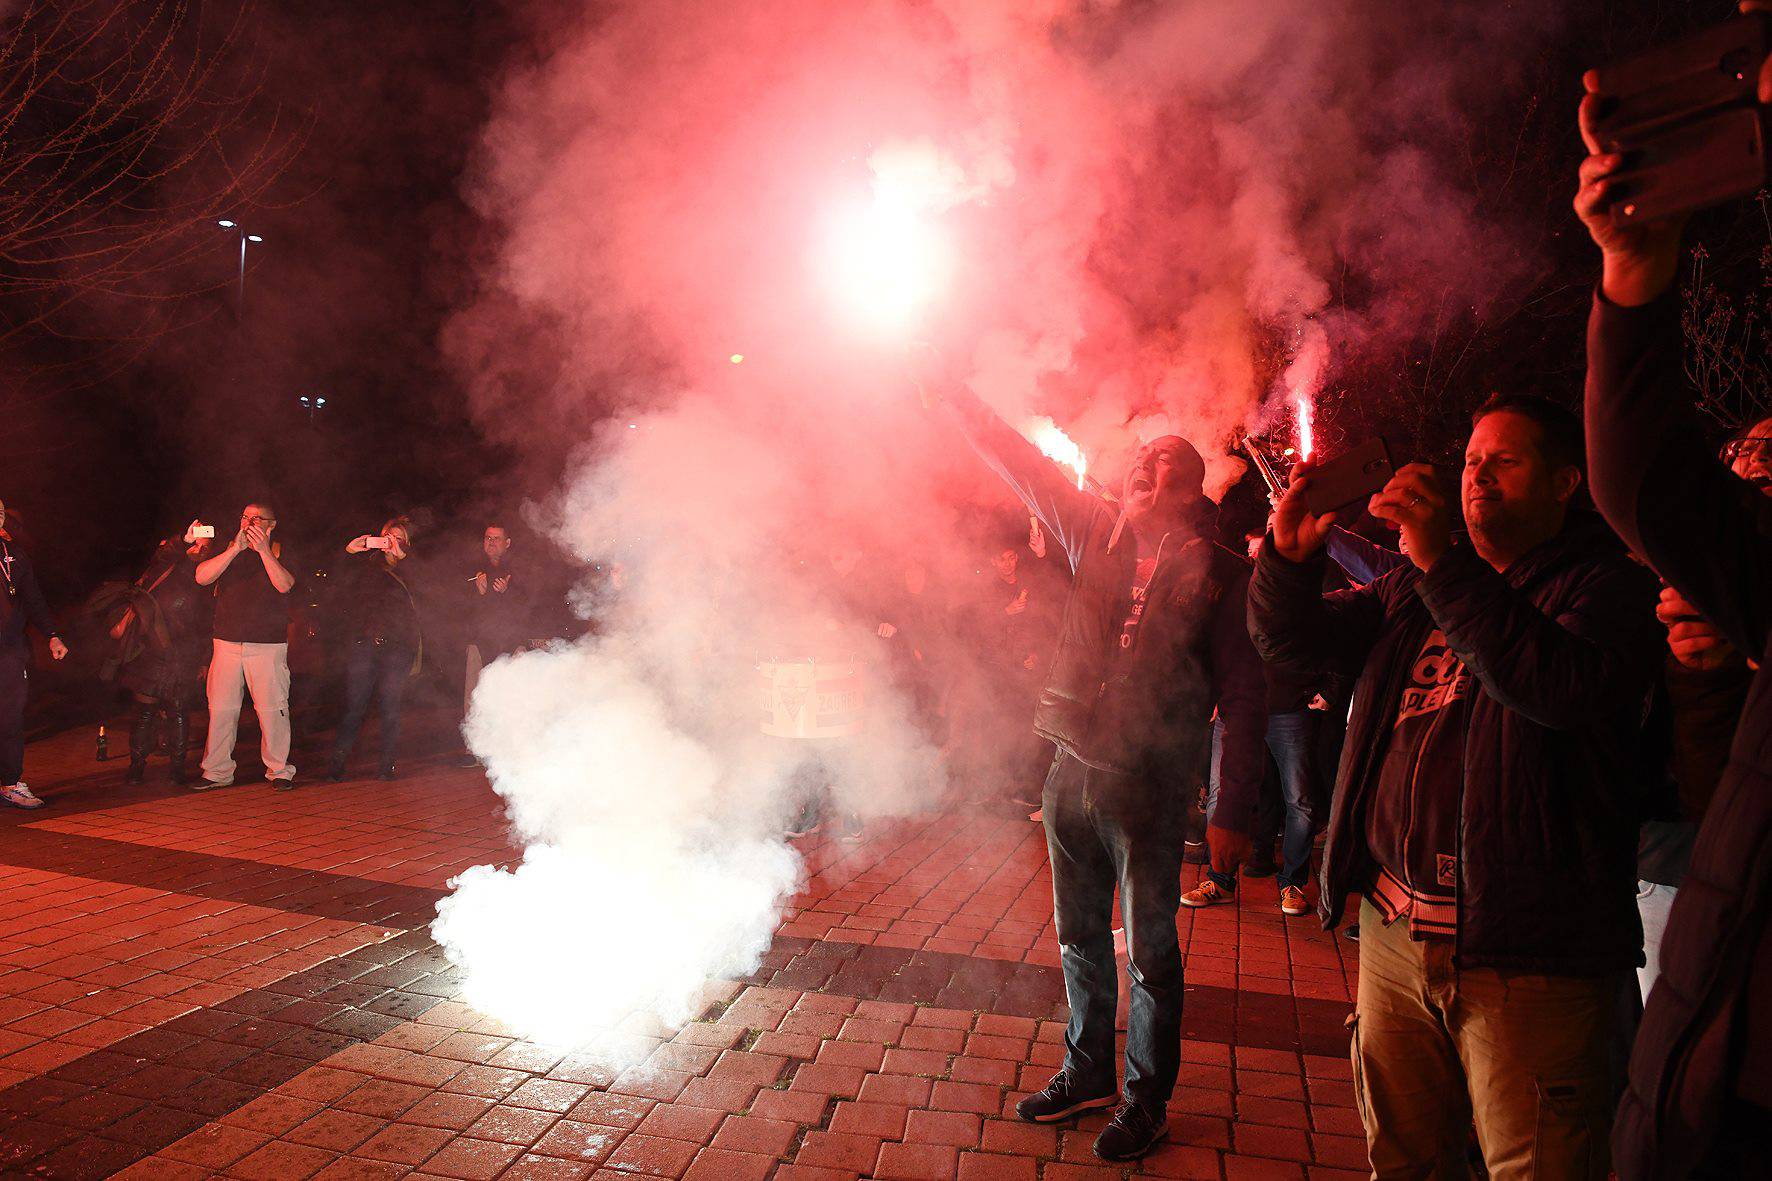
370	244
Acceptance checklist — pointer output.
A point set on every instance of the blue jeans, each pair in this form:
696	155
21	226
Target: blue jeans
1289	741
378	670
1105	830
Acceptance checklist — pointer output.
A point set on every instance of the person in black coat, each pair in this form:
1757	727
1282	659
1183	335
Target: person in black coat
21	604
1151	642
1487	800
164	638
1699	1098
382	628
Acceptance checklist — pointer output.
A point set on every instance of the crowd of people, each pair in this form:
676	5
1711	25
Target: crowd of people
214	622
1544	706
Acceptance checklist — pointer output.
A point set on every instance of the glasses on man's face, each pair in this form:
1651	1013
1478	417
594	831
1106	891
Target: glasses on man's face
255	519
1751	447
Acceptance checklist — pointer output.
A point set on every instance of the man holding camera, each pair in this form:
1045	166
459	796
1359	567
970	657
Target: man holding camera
250	648
21	604
1700	1093
1486	806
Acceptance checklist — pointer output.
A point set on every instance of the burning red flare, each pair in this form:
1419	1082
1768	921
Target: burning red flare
1055	444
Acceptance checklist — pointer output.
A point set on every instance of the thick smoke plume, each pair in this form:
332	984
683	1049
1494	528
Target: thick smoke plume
1141	218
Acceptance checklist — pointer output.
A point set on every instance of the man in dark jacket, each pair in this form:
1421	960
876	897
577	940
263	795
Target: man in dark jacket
1700	1093
1151	640
381	622
21	603
1486	803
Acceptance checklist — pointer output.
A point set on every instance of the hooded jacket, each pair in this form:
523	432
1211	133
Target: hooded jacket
1563	649
1706	1035
1147	708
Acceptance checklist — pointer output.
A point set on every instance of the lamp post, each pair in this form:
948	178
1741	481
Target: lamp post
240	301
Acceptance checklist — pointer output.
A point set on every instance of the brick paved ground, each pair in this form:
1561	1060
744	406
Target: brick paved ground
240	984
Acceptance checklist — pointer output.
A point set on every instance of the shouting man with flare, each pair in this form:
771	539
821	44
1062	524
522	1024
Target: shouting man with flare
1152	640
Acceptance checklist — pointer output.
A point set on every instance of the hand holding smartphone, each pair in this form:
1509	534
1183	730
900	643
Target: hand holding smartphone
1351	476
1687	120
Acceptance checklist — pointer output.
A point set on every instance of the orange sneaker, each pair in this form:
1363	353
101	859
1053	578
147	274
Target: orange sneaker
1292	901
1207	893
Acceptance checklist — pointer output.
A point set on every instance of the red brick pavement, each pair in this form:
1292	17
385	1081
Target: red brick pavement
238	984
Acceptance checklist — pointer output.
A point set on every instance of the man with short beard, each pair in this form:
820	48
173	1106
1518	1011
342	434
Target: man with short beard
1487	800
1152	639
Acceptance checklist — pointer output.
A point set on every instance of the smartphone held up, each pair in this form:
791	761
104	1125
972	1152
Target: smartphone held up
1351	476
1687	119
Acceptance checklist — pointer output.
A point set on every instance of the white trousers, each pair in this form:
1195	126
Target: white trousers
263	671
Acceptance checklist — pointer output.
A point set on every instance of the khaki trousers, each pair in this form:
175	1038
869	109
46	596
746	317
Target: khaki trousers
1526	1054
262	670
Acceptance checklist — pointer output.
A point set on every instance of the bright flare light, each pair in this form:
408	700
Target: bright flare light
885	262
1306	427
1055	444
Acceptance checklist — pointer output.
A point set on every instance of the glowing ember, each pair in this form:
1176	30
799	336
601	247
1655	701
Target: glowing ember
1055	444
1305	426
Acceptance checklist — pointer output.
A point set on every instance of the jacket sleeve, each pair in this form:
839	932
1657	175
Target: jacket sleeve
1297	627
1064	509
31	598
1702	529
1599	654
1364	561
1242	707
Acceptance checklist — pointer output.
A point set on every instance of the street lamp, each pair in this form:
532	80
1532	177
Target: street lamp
224	223
312	405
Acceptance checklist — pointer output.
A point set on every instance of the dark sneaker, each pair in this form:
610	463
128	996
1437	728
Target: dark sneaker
335	771
1060	1101
1134	1131
388	771
1353	932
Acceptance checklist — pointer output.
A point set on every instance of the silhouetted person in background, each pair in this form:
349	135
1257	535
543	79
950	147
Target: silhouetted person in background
164	641
21	605
381	624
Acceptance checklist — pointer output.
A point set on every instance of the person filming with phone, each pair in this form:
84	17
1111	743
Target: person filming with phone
1699	1097
1486	804
252	582
382	625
